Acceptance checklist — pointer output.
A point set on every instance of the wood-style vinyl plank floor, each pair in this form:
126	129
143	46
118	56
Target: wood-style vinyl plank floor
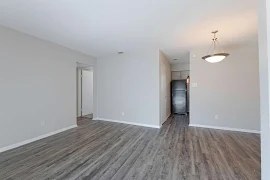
105	150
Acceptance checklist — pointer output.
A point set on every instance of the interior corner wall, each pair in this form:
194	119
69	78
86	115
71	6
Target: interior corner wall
228	89
163	61
129	84
38	87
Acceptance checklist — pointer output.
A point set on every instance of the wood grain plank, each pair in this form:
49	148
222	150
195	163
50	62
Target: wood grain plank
104	150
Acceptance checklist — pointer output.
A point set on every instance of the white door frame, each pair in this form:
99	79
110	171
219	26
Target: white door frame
163	93
83	66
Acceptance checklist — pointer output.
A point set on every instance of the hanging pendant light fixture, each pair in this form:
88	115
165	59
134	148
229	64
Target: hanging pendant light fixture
215	57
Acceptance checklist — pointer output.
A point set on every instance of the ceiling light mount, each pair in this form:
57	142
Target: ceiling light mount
215	57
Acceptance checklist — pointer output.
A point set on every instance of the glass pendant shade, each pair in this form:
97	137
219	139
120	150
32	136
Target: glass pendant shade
215	57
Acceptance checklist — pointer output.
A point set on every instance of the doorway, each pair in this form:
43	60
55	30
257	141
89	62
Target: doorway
85	92
180	92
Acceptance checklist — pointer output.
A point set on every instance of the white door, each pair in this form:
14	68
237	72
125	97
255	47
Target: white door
163	93
87	92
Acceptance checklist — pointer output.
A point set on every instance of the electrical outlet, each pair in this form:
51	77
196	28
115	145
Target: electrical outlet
216	116
123	113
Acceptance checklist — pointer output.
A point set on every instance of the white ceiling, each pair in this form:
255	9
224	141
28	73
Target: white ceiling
103	27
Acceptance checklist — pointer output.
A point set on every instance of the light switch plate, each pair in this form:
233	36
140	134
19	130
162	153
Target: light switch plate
194	84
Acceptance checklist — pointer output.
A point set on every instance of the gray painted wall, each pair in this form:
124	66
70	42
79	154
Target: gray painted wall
229	89
38	86
129	83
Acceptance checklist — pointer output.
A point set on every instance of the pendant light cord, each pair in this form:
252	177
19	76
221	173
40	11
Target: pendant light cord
210	47
220	47
214	41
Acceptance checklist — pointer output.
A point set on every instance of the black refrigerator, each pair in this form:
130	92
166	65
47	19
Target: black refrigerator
179	96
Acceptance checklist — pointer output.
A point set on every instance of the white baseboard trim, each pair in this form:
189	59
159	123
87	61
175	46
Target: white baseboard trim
126	122
226	128
168	116
35	139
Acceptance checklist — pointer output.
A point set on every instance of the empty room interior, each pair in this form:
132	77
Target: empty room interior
169	90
